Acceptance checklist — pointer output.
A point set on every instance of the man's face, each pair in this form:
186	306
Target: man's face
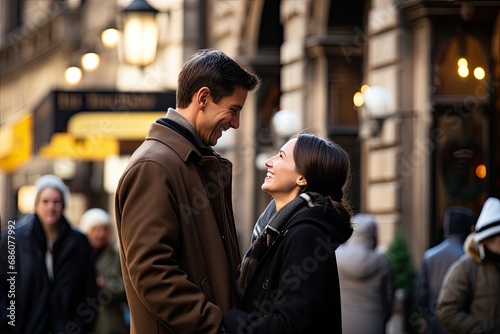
220	117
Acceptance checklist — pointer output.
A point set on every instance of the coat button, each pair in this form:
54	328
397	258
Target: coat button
265	284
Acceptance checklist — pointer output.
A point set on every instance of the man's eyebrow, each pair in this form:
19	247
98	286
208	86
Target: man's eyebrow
235	106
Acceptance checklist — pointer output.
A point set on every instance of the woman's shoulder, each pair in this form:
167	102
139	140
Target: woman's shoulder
325	219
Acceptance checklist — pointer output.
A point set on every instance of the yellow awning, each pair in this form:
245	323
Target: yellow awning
120	126
63	145
16	144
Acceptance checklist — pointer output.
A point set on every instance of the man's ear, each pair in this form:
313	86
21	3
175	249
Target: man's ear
301	181
202	97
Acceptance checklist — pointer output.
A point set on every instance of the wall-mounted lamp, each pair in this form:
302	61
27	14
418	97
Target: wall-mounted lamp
286	123
140	33
372	104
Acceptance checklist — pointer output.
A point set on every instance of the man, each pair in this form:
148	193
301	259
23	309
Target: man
48	282
178	243
469	298
458	222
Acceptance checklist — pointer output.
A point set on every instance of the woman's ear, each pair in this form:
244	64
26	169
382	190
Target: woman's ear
301	181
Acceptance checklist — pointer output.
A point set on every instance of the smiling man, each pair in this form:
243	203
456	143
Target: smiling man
178	244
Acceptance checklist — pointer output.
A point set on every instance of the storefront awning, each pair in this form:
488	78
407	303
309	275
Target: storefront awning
92	125
63	145
120	126
16	144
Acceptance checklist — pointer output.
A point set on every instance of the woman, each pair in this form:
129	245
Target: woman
288	278
55	290
98	226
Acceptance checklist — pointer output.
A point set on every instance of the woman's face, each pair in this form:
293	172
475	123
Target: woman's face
282	181
49	207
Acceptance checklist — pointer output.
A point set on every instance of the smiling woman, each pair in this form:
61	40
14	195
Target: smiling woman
291	269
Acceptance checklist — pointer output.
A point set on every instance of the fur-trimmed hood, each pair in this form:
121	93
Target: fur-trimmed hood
474	249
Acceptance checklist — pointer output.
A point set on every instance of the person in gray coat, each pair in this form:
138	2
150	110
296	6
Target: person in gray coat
458	222
366	280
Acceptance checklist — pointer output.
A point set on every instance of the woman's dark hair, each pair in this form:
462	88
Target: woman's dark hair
215	70
326	167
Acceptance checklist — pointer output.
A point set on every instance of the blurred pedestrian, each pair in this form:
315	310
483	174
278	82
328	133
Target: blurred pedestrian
458	223
97	225
178	243
288	278
54	289
469	300
366	280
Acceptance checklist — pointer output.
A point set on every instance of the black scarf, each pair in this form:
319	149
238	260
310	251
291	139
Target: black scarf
275	223
186	133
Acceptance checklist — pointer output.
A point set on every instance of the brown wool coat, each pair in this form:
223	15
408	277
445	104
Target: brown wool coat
177	274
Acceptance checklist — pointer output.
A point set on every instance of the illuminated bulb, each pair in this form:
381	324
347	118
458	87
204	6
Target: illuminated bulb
363	88
479	73
463	71
481	171
73	75
90	61
462	62
358	99
110	37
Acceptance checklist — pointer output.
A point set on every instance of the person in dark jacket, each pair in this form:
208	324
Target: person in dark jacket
288	278
458	223
173	207
47	277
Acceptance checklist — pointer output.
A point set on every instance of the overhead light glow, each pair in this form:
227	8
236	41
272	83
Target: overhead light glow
90	61
479	73
73	75
110	37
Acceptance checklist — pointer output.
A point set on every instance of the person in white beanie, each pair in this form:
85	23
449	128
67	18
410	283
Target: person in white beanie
469	300
98	226
47	273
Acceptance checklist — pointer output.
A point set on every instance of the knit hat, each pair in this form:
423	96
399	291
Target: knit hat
92	218
488	223
51	181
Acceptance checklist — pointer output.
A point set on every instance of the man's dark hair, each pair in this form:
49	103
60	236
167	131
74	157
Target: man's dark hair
215	70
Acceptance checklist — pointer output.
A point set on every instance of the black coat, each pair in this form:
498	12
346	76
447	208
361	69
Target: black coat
66	304
295	287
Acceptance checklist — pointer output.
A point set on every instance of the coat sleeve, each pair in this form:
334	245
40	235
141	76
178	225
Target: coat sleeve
149	230
454	299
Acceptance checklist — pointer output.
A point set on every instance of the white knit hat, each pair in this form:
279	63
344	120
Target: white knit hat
51	181
488	223
94	217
